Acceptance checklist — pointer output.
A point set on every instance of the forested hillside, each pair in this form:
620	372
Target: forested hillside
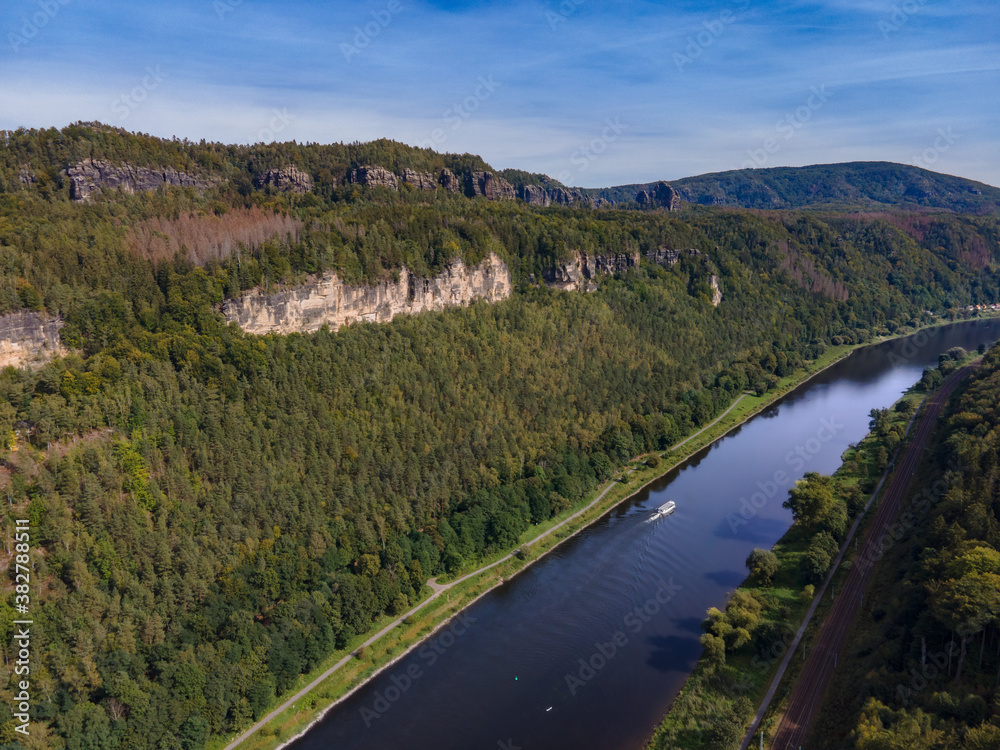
924	670
215	513
862	186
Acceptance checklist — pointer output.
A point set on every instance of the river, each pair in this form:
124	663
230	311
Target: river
589	646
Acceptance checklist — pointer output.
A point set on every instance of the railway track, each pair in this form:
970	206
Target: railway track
807	693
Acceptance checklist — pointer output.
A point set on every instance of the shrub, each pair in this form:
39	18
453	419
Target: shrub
763	565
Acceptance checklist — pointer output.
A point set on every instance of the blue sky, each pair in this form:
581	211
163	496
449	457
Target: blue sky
589	92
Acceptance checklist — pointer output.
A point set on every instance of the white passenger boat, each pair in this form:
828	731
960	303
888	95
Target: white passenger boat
665	510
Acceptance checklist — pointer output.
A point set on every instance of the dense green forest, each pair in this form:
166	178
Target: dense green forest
925	671
214	513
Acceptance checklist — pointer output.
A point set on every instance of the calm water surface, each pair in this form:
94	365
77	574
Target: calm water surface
513	676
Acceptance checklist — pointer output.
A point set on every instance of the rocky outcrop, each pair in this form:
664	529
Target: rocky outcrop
374	177
534	195
572	276
579	273
666	257
564	197
329	301
488	185
419	180
29	338
614	263
25	176
660	195
290	179
713	281
93	176
449	181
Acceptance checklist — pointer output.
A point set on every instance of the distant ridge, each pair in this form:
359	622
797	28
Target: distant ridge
85	159
877	185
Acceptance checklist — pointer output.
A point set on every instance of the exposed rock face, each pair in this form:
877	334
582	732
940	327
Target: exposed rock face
667	257
716	291
449	181
663	256
564	197
25	176
613	263
29	338
534	195
660	194
579	273
374	177
571	277
328	300
94	176
667	197
419	180
291	179
489	186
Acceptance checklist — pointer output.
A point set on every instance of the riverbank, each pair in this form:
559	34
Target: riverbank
393	637
719	699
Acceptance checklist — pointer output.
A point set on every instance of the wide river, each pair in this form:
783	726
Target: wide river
589	646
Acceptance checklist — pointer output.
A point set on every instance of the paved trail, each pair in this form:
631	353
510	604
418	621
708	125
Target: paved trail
807	692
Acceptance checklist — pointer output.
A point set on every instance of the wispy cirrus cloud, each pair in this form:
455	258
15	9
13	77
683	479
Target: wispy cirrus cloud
560	80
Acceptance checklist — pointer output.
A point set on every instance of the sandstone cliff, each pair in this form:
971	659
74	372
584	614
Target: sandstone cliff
666	257
660	194
716	291
578	274
328	300
29	338
374	177
536	195
449	181
291	179
90	177
488	185
420	180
